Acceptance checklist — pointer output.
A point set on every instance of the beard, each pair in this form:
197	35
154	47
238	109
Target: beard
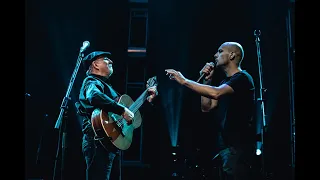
110	72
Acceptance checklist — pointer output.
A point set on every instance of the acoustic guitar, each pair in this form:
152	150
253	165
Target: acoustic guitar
112	127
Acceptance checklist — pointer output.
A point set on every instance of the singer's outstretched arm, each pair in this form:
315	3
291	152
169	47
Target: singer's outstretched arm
211	92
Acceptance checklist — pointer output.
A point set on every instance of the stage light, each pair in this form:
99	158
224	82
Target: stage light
174	174
172	99
258	152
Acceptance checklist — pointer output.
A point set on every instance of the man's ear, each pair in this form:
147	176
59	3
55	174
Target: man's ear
232	56
94	64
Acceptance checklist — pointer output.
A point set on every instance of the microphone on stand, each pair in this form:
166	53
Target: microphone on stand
27	95
202	75
85	45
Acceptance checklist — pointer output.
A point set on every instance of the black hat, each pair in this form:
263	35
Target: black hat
93	56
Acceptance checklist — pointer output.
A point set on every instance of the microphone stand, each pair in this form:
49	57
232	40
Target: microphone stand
41	137
63	116
262	90
291	75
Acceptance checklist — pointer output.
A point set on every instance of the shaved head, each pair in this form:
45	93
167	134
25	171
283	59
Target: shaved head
236	48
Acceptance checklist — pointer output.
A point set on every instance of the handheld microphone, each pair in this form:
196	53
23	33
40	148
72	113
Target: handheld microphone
202	75
85	45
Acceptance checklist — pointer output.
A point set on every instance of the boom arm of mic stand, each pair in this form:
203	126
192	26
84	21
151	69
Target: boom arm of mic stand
67	97
62	115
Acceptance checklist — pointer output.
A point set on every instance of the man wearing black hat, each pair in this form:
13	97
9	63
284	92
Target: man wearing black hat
95	92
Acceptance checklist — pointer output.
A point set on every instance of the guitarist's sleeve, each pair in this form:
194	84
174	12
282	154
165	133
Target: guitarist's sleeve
98	99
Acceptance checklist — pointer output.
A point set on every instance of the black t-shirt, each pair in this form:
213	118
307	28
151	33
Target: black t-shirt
235	111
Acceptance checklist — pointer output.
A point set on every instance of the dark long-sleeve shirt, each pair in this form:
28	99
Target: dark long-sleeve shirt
97	93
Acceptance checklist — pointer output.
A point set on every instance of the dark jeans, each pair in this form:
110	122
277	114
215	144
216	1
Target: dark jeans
237	163
101	164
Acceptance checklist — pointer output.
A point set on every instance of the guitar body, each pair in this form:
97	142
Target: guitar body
113	127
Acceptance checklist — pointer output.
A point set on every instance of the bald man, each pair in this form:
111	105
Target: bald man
234	102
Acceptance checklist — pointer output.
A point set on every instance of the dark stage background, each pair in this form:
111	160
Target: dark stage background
182	34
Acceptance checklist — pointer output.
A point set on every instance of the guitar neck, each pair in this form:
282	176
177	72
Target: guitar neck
138	103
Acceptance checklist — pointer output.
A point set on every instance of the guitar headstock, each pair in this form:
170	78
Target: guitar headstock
152	82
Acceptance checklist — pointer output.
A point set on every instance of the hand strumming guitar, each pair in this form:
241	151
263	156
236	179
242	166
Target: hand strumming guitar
128	115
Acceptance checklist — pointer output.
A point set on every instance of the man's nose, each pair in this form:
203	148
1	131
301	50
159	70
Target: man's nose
215	56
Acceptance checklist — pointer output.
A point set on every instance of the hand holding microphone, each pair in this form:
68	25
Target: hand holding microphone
207	71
